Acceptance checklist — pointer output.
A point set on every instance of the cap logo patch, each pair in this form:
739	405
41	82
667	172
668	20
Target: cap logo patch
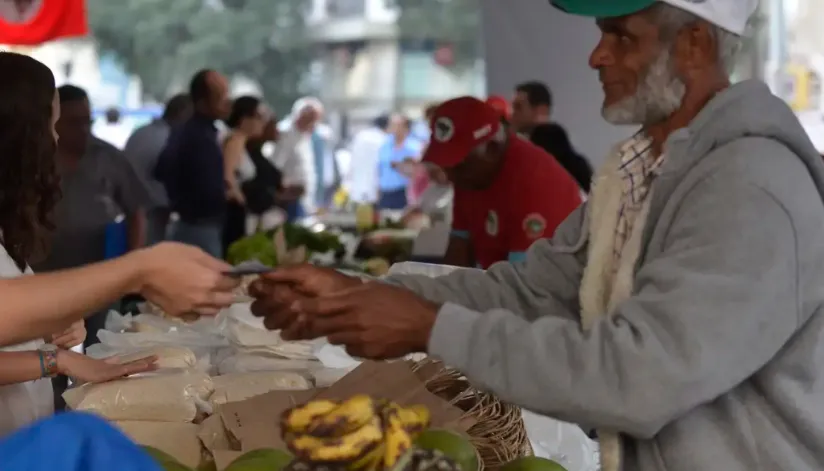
482	132
491	224
443	129
534	225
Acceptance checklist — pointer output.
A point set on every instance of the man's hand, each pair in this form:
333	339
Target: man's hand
183	279
71	337
374	320
277	292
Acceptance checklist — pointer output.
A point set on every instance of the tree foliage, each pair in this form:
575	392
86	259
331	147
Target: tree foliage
165	41
455	22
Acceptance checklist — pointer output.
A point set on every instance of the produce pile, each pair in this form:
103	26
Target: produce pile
363	434
359	433
260	246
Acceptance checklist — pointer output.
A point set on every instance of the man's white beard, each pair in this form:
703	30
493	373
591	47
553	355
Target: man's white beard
657	97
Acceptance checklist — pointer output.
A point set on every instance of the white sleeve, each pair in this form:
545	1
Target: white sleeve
288	160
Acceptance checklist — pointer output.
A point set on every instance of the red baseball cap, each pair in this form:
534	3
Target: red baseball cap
459	126
500	104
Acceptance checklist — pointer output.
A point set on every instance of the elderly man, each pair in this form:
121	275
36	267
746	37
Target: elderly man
682	318
297	155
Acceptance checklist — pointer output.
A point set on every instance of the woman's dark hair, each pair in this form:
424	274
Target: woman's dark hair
242	108
28	175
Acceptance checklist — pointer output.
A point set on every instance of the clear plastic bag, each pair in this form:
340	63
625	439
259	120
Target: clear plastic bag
169	357
241	386
177	337
248	362
247	333
117	322
246	330
151	397
562	442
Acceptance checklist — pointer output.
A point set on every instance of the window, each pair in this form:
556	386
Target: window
345	8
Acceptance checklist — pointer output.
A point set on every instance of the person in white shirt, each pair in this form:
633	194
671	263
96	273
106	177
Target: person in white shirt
295	157
361	180
42	315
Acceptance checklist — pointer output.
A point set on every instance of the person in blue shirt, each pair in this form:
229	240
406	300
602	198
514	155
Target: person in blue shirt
399	147
73	442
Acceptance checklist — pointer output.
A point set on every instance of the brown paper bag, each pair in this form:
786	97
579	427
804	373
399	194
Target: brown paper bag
216	440
179	440
256	421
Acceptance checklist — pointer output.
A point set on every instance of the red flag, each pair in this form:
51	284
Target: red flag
32	22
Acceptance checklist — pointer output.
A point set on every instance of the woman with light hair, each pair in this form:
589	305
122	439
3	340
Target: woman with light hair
295	157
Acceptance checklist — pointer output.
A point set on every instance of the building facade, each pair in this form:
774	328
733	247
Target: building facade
365	69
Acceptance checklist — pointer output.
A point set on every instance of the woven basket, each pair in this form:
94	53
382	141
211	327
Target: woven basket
499	433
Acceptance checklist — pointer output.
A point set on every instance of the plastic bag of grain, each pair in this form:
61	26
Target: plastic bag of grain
168	357
247	333
175	397
241	386
240	361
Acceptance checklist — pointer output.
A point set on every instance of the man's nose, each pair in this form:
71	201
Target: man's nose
601	56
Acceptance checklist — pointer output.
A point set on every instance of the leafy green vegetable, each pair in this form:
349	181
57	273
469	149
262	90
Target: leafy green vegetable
260	247
257	246
317	242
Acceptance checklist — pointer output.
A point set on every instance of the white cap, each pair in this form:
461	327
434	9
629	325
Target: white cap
732	15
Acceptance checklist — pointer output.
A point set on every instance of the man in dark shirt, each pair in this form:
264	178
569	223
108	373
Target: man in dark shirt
531	109
191	166
99	188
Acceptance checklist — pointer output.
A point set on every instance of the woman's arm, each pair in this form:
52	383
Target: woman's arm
177	277
233	150
19	367
48	303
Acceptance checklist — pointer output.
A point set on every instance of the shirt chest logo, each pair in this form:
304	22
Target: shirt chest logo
534	225
492	225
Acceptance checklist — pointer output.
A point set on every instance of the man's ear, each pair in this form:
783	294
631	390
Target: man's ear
695	48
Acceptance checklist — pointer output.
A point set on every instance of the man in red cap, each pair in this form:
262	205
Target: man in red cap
508	192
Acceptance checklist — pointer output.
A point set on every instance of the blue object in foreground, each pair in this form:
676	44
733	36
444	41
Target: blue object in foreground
72	441
117	238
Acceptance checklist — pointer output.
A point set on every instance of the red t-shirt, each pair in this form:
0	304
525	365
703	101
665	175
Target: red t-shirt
532	195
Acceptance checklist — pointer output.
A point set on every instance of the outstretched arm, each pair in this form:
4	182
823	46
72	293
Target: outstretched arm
546	281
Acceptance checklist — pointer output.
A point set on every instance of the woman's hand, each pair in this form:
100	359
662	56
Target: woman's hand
182	279
86	369
71	337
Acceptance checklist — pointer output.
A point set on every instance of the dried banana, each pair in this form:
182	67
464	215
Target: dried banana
298	419
340	449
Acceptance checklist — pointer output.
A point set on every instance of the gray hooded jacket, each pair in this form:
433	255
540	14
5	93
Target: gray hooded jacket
717	360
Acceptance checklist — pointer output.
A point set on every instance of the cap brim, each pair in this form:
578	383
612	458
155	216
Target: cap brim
602	8
439	156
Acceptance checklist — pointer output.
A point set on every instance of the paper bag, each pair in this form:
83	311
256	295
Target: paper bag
179	440
255	422
216	440
397	382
